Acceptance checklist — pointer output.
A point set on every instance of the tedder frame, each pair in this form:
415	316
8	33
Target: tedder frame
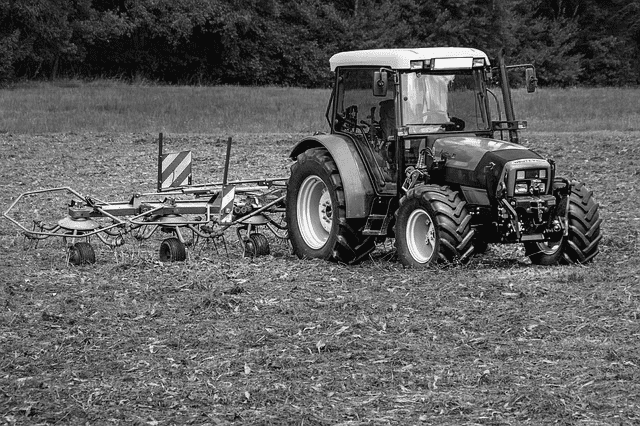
178	208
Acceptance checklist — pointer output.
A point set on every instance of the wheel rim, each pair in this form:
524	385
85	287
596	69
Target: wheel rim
421	236
75	257
165	252
250	249
314	212
549	247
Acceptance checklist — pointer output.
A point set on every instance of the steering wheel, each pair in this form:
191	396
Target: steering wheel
455	125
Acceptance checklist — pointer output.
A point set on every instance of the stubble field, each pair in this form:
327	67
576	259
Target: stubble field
221	339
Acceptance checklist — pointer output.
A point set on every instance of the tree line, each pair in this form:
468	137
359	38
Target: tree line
289	42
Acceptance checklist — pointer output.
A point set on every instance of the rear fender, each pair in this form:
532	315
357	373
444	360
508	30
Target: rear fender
358	191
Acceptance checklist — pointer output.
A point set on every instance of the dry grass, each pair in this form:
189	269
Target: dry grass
111	106
580	109
224	340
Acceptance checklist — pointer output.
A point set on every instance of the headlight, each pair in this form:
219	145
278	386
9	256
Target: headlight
520	174
521	188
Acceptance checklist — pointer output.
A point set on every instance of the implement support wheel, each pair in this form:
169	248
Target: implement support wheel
82	253
172	250
256	245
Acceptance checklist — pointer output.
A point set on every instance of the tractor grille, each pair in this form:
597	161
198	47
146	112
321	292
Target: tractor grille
527	177
531	182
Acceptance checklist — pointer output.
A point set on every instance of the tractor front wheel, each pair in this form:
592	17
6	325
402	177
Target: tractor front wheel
581	243
316	213
433	225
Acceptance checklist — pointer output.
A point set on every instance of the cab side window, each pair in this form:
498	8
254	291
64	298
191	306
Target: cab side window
358	110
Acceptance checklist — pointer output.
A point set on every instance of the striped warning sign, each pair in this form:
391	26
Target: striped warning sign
175	169
226	204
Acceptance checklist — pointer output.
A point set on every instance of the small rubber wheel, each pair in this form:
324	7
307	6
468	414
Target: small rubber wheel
82	253
261	244
250	249
172	250
256	245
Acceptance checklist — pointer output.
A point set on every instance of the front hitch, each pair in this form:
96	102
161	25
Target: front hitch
562	190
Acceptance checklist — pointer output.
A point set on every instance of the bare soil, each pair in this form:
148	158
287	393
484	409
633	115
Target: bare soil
221	339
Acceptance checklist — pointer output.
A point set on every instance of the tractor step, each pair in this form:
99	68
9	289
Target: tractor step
379	218
532	237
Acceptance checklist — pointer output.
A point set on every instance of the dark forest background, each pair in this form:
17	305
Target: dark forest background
289	42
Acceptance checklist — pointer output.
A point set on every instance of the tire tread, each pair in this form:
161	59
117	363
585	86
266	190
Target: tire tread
350	245
453	221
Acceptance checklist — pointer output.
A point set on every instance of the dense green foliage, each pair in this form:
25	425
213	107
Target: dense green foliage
288	42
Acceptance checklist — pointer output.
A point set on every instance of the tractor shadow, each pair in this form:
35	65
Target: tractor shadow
500	256
496	256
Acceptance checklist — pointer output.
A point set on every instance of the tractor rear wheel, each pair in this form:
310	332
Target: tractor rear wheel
581	244
433	225
316	213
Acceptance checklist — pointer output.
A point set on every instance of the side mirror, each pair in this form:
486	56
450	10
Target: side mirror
532	81
380	83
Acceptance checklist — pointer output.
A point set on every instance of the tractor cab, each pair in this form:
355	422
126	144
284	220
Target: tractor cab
394	103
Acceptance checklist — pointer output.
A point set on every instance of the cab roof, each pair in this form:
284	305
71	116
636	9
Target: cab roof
401	58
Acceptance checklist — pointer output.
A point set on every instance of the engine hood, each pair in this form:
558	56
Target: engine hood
467	158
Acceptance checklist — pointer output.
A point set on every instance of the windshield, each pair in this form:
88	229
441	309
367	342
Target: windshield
443	102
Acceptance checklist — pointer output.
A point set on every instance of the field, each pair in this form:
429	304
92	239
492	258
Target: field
220	339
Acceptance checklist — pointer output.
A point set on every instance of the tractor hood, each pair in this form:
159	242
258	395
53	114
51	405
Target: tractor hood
467	158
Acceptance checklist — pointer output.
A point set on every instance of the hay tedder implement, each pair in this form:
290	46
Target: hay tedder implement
185	212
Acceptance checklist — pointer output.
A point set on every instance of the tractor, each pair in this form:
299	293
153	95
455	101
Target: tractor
422	150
